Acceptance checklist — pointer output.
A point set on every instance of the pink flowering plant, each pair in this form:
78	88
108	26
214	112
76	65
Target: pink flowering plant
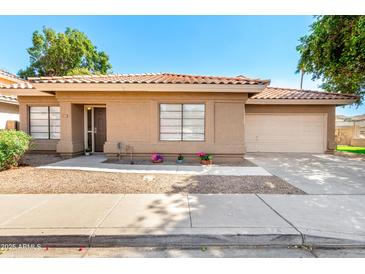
156	157
204	156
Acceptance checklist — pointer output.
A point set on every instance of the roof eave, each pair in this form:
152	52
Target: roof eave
9	102
110	87
337	102
22	92
11	79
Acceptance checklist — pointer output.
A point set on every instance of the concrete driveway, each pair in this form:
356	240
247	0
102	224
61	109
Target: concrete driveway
315	173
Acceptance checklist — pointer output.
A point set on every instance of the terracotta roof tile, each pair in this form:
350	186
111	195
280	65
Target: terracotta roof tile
11	76
152	78
23	85
291	94
8	99
269	93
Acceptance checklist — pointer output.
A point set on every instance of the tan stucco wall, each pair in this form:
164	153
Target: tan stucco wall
349	136
344	135
358	142
24	103
8	112
9	108
133	120
72	128
329	110
229	123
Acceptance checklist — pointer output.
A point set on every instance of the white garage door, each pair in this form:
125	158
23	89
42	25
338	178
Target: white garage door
285	132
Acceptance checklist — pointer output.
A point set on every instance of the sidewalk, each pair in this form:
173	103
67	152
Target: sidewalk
96	163
105	220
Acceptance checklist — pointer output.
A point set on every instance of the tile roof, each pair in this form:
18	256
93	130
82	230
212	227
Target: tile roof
18	82
9	75
269	93
8	99
343	118
20	85
359	118
290	94
151	78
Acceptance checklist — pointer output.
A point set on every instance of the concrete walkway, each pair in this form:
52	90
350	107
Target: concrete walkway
96	163
182	220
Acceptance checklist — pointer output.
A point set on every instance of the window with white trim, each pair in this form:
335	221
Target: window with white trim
182	122
362	132
44	122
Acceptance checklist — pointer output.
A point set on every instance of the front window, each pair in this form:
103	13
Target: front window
182	122
44	122
362	133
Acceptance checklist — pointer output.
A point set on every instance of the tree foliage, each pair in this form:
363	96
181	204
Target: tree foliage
67	53
334	51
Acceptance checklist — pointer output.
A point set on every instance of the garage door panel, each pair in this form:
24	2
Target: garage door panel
285	133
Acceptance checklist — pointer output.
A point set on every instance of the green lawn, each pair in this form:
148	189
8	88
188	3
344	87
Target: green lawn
360	150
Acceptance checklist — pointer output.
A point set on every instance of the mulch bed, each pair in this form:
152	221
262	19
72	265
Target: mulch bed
243	162
34	159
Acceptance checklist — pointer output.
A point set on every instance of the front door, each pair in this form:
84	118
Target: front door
99	128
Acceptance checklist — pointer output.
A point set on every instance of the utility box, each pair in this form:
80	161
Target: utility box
12	124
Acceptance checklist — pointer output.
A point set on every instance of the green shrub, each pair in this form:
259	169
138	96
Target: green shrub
13	145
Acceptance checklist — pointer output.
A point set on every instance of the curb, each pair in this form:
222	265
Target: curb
331	242
188	240
177	240
182	240
45	241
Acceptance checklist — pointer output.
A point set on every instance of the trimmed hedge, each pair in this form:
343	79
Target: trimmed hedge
13	145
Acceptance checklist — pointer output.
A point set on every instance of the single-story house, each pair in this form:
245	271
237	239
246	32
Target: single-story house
9	108
175	113
350	131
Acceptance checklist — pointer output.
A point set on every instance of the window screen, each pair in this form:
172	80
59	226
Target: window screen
182	122
44	122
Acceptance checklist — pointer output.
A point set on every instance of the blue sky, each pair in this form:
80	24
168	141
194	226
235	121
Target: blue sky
256	46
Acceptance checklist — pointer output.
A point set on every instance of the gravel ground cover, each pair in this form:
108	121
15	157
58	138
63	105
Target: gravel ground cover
29	179
32	180
39	159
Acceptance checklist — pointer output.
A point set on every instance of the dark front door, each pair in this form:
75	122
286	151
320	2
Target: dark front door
99	128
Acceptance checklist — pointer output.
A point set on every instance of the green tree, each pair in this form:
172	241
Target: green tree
334	51
67	53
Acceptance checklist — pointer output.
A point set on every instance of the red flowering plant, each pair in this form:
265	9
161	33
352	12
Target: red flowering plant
156	158
204	156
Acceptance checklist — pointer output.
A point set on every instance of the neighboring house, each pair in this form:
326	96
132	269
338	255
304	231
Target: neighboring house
9	109
174	113
350	130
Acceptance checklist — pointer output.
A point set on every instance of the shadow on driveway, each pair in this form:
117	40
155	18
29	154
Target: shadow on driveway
315	173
